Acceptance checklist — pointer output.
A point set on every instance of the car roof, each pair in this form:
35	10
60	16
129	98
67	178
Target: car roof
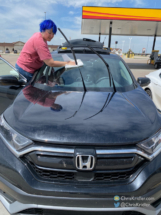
81	46
84	42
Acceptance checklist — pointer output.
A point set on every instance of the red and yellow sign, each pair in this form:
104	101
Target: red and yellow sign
135	14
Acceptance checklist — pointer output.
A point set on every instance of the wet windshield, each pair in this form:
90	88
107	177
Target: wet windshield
94	72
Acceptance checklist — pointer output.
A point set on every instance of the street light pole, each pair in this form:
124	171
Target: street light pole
122	45
130	38
45	15
147	46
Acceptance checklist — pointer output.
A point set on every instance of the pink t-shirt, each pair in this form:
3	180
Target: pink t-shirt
33	53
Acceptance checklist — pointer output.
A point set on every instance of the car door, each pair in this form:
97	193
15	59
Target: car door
8	92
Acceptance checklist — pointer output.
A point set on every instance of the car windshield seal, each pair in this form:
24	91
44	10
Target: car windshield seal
74	57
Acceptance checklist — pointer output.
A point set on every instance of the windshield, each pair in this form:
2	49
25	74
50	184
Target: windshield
94	72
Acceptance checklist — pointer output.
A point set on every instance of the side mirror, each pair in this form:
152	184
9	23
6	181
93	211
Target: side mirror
143	81
11	80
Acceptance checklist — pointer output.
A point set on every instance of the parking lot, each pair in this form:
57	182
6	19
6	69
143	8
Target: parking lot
138	66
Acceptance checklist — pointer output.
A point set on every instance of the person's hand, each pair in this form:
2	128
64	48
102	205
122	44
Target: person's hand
71	63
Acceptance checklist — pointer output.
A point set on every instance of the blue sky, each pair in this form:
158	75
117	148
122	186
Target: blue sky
19	20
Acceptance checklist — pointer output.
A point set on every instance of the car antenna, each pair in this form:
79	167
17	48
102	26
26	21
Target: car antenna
74	57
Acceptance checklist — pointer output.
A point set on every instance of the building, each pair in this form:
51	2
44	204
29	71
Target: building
116	51
52	47
11	46
18	46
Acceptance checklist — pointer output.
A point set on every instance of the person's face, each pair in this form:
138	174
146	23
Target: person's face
48	34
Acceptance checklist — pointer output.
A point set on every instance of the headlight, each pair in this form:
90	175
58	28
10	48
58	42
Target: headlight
12	138
152	146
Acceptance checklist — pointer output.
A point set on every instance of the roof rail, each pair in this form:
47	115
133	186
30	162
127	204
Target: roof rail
84	43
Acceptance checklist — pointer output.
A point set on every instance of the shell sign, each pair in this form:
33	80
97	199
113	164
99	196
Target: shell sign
135	14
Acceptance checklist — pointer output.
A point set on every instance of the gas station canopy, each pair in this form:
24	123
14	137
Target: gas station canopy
124	21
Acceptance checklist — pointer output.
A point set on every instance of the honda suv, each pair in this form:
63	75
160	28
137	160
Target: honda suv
84	139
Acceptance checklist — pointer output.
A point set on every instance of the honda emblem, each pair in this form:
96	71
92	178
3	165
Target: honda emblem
85	162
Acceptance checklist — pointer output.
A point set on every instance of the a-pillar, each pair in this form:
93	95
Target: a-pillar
99	37
110	33
154	43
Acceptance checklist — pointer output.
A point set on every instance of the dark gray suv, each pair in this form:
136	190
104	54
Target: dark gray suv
82	140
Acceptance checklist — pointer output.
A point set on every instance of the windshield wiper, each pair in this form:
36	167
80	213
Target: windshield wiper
104	106
78	108
108	68
74	58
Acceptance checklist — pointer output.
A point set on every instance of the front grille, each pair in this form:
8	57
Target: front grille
61	166
36	211
114	176
48	174
156	203
51	175
33	211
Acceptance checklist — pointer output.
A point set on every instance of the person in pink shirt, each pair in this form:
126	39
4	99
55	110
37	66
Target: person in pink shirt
35	51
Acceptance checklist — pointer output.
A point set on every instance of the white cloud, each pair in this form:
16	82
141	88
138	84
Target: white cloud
20	18
78	20
73	34
71	12
80	3
138	3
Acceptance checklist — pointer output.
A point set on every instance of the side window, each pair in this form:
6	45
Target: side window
160	75
6	69
124	73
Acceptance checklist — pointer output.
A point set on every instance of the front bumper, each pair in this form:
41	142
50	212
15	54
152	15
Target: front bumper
23	201
21	191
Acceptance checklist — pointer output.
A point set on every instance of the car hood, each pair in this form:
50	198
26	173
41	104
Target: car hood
90	118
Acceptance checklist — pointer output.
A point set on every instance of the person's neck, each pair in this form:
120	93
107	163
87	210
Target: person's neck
43	37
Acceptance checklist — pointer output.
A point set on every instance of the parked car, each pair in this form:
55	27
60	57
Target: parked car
79	140
7	51
153	89
157	62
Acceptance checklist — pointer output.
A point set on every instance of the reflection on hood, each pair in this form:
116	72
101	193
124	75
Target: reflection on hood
41	97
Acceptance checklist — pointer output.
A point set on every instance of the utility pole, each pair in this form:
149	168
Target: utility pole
122	45
147	46
104	41
130	38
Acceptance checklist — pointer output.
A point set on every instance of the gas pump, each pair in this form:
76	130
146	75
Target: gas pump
153	56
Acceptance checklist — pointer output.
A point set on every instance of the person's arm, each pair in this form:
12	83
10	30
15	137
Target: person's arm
52	63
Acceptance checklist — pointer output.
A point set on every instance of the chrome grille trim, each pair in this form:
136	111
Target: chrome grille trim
71	151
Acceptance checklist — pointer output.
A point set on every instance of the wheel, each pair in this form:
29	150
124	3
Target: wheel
148	91
156	66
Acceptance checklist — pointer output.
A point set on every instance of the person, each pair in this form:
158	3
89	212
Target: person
35	51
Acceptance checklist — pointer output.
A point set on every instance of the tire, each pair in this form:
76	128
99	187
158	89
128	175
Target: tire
148	91
156	66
